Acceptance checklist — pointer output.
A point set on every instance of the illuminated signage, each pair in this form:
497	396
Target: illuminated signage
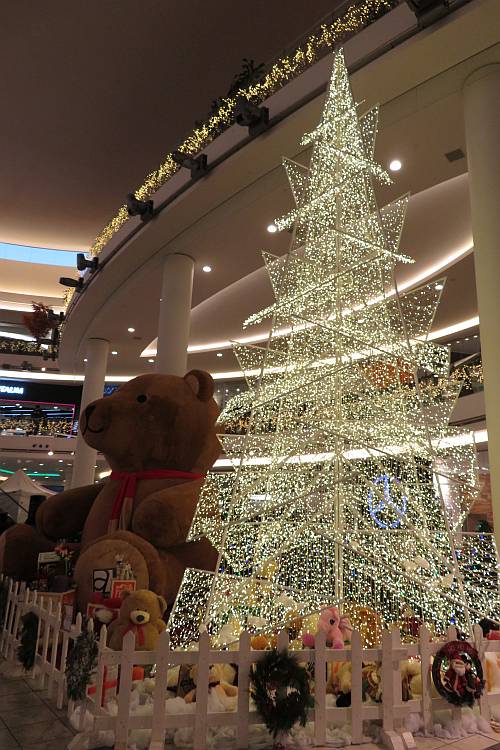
12	390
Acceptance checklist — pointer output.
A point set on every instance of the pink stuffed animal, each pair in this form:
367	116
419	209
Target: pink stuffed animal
336	628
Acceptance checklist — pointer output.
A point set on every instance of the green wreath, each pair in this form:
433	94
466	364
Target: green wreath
281	692
82	662
29	633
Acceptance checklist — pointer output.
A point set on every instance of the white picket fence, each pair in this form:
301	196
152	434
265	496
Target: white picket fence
50	663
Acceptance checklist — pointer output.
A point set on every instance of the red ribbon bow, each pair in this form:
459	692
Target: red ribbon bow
128	485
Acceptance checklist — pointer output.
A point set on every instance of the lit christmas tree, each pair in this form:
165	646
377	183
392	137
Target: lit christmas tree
348	488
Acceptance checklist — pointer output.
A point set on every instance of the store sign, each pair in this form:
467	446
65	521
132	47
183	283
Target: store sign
11	390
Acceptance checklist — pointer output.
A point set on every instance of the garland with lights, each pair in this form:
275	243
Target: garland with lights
357	16
281	692
457	673
29	634
82	662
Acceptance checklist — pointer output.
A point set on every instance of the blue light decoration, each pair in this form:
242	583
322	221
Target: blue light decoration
376	504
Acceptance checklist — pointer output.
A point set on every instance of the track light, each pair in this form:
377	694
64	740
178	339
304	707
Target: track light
135	207
198	167
83	263
76	283
248	115
428	11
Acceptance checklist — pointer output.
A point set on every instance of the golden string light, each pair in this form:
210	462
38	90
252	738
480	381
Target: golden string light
356	17
348	486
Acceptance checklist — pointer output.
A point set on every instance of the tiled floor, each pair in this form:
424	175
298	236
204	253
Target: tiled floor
29	721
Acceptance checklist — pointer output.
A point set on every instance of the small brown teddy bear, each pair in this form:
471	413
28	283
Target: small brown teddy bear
141	613
220	681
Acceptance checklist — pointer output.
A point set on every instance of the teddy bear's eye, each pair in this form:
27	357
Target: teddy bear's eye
332	622
142	398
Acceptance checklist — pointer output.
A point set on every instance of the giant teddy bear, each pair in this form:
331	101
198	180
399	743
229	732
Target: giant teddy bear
158	435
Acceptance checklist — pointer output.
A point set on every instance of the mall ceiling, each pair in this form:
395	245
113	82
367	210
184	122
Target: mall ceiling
95	93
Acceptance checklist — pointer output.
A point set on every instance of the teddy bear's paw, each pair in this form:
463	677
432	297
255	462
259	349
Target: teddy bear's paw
101	555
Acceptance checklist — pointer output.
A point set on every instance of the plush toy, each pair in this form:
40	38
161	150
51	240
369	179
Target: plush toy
220	681
141	613
411	679
158	435
336	628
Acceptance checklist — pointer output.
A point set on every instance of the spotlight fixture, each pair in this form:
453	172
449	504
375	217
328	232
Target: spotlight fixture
219	354
198	167
114	353
206	269
272	228
77	284
439	287
50	453
135	207
131	330
395	165
43	369
151	360
248	115
83	263
428	11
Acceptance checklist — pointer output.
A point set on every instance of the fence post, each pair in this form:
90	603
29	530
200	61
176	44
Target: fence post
126	665
19	610
160	691
480	643
390	673
3	637
201	708
244	666
356	688
9	617
456	711
56	627
320	672
76	630
425	671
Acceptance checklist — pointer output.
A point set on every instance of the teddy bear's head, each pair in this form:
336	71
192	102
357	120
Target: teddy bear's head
156	422
141	607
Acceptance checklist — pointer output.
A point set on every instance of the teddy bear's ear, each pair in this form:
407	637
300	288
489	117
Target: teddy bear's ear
201	384
162	603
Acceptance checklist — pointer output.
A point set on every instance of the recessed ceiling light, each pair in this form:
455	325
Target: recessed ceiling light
219	354
114	353
43	369
85	360
439	287
272	228
131	330
50	453
40	464
60	460
206	269
395	165
151	360
476	336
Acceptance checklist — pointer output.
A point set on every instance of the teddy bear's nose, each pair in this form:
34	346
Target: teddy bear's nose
139	618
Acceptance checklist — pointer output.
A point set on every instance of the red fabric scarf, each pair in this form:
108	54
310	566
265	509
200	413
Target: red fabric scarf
128	486
138	631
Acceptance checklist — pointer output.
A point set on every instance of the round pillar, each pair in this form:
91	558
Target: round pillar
481	95
97	351
175	314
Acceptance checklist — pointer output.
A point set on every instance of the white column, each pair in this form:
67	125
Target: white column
175	314
97	351
482	126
